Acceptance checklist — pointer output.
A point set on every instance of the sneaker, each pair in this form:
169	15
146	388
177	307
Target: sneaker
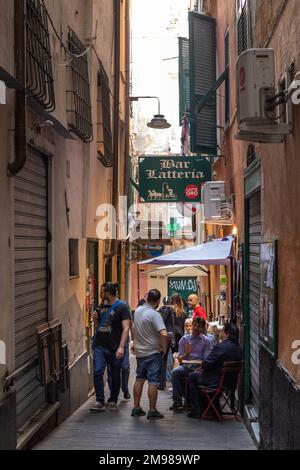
112	406
138	412
127	396
97	407
154	415
176	407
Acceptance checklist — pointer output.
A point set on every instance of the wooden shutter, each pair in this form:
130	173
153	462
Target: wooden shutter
202	33
184	77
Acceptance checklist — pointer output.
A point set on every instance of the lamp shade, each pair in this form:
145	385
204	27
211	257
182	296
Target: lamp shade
158	122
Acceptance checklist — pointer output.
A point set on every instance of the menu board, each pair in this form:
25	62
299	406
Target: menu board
268	296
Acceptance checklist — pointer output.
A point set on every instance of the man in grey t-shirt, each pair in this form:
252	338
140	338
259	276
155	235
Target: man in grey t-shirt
150	342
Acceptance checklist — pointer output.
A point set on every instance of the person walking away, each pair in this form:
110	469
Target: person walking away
112	329
150	343
194	304
174	317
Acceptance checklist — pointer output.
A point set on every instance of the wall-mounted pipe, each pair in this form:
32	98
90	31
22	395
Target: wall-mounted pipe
20	105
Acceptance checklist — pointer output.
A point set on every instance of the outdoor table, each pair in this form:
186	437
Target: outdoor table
193	361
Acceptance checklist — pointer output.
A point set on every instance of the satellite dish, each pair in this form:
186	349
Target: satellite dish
188	209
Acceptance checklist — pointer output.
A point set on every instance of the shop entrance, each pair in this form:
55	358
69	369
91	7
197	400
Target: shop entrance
92	297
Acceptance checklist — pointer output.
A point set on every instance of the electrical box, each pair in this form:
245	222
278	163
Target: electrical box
255	83
213	193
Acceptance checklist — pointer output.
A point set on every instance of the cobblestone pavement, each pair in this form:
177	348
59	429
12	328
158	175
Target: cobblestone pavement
118	430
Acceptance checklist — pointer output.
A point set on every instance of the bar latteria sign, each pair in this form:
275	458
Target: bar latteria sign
172	179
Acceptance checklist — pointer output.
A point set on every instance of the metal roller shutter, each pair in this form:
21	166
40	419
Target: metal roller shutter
254	282
30	278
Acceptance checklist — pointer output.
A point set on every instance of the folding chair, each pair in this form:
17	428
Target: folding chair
230	370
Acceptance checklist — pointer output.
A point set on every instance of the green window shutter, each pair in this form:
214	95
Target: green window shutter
202	32
227	80
184	77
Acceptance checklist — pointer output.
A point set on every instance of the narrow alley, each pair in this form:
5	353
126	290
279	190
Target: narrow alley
111	430
150	229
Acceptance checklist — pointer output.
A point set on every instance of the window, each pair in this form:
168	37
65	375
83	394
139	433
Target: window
73	258
78	94
39	76
104	135
227	79
243	29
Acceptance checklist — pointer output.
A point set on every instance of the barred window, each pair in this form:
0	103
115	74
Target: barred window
78	94
243	30
104	135
39	76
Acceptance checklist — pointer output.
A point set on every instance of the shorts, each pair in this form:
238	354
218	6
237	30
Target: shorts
149	368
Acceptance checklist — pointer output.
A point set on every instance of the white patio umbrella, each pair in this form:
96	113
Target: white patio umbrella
216	252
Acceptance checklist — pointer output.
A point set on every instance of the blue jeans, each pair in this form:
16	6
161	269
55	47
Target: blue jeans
179	375
104	357
125	371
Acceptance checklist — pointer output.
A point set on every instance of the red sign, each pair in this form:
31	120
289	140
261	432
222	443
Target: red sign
191	191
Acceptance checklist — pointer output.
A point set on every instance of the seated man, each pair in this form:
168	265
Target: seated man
194	346
210	371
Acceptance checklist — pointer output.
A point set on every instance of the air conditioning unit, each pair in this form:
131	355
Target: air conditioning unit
213	192
217	209
255	83
255	86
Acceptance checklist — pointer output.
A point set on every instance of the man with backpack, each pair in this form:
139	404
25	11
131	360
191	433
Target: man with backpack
111	335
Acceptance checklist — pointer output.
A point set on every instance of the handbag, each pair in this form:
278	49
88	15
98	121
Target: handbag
171	334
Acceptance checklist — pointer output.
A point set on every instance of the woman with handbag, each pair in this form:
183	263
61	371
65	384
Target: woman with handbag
174	316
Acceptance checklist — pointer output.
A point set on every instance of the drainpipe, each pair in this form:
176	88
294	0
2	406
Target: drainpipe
116	102
115	185
20	105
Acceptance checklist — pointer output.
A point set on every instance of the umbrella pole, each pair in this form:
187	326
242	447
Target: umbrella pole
210	315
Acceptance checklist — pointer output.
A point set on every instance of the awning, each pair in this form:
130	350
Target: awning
216	252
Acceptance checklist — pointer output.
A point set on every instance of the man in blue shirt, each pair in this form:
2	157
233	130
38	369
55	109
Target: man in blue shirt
195	346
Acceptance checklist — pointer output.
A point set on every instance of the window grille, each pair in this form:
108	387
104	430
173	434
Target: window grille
78	96
104	135
243	38
39	76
